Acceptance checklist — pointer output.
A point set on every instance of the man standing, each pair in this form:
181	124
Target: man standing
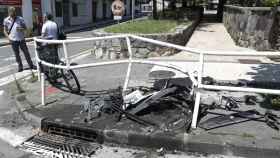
50	32
14	27
50	28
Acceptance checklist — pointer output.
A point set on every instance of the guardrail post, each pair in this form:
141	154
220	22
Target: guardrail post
42	76
198	93
37	60
128	68
66	54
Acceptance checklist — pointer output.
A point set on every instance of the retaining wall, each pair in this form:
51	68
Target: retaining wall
117	49
253	27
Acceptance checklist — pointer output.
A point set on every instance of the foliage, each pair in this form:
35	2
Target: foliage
254	3
271	3
144	26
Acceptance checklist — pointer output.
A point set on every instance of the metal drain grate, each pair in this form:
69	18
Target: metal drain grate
56	146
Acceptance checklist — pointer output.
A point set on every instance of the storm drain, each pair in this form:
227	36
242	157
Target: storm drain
56	146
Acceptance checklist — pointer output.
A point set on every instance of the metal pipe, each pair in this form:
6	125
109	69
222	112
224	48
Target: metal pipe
197	99
77	40
42	75
196	110
37	61
200	71
65	51
240	89
128	67
189	50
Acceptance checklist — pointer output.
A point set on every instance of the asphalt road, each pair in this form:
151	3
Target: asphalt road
8	64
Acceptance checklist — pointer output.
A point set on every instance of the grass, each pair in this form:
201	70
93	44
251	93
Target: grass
145	26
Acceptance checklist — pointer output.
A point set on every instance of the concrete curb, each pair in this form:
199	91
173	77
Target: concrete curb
24	108
203	144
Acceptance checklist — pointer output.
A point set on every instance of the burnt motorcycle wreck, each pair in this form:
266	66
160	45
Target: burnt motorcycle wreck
168	105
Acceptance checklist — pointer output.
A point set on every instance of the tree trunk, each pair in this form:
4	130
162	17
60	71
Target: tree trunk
184	3
173	4
155	15
220	10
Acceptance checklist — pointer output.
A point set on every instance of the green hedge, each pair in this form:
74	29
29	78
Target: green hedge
271	3
254	3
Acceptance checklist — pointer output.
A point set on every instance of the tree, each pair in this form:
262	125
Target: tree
184	3
155	14
173	4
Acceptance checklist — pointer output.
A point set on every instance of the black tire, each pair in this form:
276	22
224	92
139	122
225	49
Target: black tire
71	80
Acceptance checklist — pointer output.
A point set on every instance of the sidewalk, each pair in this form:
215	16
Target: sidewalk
214	37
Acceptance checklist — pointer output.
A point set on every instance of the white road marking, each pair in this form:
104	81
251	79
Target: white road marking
1	92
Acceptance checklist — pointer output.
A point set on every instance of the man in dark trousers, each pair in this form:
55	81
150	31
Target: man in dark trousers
14	27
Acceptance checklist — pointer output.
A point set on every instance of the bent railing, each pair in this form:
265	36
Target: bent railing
198	85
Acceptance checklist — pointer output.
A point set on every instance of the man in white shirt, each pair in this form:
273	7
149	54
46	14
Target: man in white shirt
50	32
14	27
50	28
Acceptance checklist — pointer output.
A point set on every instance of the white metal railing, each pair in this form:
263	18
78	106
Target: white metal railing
197	82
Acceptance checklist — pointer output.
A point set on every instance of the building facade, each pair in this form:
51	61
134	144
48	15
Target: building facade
66	13
80	12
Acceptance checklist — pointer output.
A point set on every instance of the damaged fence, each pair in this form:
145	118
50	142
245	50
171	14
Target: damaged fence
197	84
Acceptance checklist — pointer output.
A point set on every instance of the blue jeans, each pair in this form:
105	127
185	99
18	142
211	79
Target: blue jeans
22	45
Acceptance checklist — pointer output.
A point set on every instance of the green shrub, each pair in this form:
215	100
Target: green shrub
271	3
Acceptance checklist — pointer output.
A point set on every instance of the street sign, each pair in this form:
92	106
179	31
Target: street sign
117	17
118	9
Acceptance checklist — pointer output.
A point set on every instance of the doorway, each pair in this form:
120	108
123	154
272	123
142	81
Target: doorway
104	10
66	13
94	10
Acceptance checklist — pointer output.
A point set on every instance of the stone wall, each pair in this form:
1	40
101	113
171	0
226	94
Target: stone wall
116	48
252	27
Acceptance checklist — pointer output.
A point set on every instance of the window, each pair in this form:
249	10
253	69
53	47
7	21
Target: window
58	8
75	9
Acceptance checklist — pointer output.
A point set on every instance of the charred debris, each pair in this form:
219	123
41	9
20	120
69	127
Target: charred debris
169	104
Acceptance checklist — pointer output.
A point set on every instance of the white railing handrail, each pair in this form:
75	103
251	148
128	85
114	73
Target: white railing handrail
198	85
161	43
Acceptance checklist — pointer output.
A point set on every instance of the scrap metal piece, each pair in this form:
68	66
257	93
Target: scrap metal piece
230	102
225	120
146	103
95	105
132	117
272	120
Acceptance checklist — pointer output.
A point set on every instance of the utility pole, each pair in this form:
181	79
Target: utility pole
132	10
